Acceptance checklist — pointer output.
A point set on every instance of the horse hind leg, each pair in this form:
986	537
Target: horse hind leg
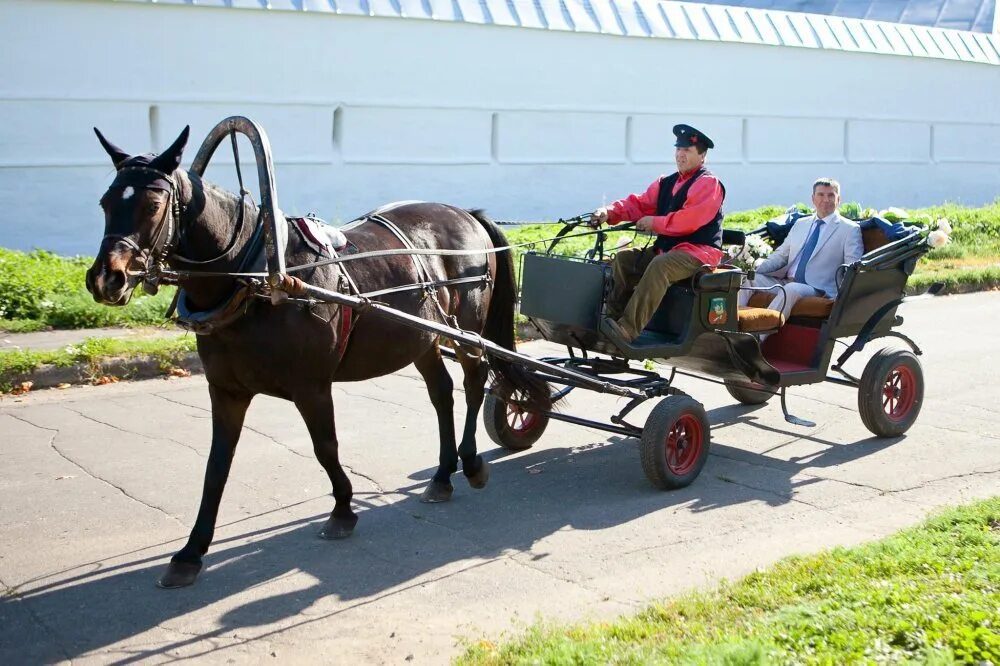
476	470
228	412
316	408
440	387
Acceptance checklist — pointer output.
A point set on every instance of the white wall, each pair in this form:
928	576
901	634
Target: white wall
528	123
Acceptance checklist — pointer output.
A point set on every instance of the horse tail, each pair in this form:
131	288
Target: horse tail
510	377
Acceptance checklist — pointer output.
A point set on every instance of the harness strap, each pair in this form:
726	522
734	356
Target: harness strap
429	285
422	271
423	285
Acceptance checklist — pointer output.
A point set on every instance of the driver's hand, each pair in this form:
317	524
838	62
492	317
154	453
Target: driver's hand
645	223
599	217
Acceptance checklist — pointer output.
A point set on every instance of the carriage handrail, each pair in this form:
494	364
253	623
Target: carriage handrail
275	235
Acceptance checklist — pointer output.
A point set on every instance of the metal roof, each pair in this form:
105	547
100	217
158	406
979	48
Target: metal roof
975	15
715	20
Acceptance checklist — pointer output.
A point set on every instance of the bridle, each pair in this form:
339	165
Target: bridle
152	262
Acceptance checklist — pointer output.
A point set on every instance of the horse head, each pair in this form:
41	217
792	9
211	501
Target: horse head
141	216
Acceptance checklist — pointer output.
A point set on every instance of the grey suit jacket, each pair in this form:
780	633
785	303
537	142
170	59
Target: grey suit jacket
839	243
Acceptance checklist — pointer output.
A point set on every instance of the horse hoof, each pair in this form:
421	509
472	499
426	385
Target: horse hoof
437	492
338	528
179	574
479	479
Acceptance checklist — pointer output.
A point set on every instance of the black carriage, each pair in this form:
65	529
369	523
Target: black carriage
699	331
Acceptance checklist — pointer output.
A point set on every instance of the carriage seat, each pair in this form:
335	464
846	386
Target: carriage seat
759	320
820	307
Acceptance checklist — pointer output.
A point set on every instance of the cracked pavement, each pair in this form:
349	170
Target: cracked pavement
99	486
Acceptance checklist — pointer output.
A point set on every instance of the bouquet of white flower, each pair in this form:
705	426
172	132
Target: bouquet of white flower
750	255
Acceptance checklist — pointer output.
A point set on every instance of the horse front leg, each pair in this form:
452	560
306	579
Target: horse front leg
316	408
476	470
228	412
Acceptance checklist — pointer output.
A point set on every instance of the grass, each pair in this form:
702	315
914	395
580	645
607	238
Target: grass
41	290
928	595
167	351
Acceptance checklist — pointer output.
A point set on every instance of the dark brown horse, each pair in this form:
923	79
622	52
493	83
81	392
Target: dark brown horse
295	350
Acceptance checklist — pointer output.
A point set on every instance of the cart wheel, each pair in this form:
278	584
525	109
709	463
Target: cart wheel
675	442
508	425
748	393
891	392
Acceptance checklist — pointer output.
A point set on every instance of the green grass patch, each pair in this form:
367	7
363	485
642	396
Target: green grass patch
929	595
40	290
91	352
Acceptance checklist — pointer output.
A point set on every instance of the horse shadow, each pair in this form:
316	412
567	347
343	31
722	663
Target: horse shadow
400	544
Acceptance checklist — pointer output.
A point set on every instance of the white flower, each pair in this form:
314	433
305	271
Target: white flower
71	350
944	225
45	305
758	262
937	238
757	247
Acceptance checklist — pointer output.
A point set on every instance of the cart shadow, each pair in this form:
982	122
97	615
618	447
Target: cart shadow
767	478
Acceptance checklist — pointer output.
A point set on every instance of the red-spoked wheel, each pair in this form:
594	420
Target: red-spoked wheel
508	424
891	392
675	442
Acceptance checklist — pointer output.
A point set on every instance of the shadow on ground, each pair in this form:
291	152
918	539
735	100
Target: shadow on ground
398	544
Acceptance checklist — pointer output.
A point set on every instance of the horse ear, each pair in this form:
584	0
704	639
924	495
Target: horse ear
117	154
170	159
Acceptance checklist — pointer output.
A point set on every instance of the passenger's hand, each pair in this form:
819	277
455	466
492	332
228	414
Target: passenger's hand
599	217
645	223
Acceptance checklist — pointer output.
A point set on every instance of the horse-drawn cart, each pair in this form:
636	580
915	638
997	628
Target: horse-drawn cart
700	332
282	312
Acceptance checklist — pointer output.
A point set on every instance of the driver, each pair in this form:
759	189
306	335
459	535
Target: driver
684	210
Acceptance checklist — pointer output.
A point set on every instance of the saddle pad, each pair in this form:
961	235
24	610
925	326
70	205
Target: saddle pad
320	236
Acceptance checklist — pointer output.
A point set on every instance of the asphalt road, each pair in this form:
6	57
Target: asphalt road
99	485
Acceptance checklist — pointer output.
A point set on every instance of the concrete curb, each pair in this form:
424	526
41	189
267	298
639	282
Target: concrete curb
143	367
140	367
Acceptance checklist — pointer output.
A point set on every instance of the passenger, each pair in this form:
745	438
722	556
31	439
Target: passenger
816	246
684	210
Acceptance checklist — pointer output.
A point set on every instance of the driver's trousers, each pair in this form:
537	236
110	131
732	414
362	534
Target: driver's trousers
645	276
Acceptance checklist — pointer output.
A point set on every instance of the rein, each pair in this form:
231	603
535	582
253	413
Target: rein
393	252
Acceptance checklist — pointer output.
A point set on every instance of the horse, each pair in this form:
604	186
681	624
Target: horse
157	213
